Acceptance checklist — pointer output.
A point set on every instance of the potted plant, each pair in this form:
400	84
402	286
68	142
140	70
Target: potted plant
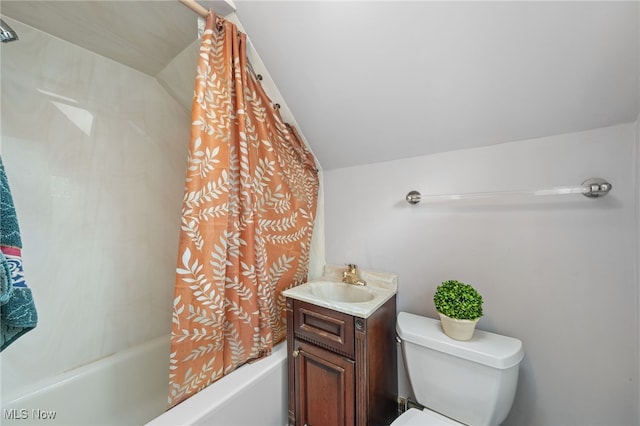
460	307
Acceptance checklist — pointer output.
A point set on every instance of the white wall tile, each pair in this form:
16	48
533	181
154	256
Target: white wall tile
178	76
95	154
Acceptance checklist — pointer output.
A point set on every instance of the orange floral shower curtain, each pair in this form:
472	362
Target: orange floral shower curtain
247	218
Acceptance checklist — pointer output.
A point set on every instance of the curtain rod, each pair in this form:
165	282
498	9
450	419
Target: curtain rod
591	188
196	7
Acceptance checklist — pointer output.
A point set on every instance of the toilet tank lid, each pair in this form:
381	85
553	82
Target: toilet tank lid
486	348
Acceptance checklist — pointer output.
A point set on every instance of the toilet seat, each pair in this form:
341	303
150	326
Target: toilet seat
415	417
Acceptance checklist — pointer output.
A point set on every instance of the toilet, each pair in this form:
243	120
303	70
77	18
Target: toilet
469	382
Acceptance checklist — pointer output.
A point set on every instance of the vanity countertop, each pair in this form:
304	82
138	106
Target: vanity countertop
328	291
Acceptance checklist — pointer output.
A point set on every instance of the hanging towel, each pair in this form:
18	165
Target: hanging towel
17	311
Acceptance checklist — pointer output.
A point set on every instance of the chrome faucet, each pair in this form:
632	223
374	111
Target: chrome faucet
352	276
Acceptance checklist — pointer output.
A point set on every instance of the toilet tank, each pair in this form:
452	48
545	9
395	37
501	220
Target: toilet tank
473	382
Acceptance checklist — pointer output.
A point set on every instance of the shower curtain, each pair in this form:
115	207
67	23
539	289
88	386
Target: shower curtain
247	218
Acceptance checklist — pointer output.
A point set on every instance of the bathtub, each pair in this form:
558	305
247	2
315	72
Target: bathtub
253	395
130	388
126	388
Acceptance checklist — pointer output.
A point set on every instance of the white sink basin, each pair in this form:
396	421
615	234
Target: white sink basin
330	292
341	292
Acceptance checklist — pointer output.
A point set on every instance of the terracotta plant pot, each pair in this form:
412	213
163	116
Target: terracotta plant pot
458	329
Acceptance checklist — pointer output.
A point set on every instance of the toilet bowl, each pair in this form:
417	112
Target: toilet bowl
469	383
415	417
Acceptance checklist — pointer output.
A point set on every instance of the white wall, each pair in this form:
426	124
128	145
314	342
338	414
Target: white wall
637	180
558	273
95	154
637	168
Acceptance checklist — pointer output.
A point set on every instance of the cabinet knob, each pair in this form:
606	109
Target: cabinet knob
296	353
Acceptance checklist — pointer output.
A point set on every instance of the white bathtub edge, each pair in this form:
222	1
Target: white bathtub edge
192	410
58	381
128	387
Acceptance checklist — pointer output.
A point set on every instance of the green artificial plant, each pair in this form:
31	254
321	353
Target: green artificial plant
458	300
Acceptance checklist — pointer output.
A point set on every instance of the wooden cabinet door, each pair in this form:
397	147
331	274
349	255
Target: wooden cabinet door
324	387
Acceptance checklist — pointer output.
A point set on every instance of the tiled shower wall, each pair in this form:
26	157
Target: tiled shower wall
95	154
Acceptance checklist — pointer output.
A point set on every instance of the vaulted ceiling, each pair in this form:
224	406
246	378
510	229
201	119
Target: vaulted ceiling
370	81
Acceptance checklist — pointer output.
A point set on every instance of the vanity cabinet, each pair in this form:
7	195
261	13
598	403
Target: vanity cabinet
342	368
